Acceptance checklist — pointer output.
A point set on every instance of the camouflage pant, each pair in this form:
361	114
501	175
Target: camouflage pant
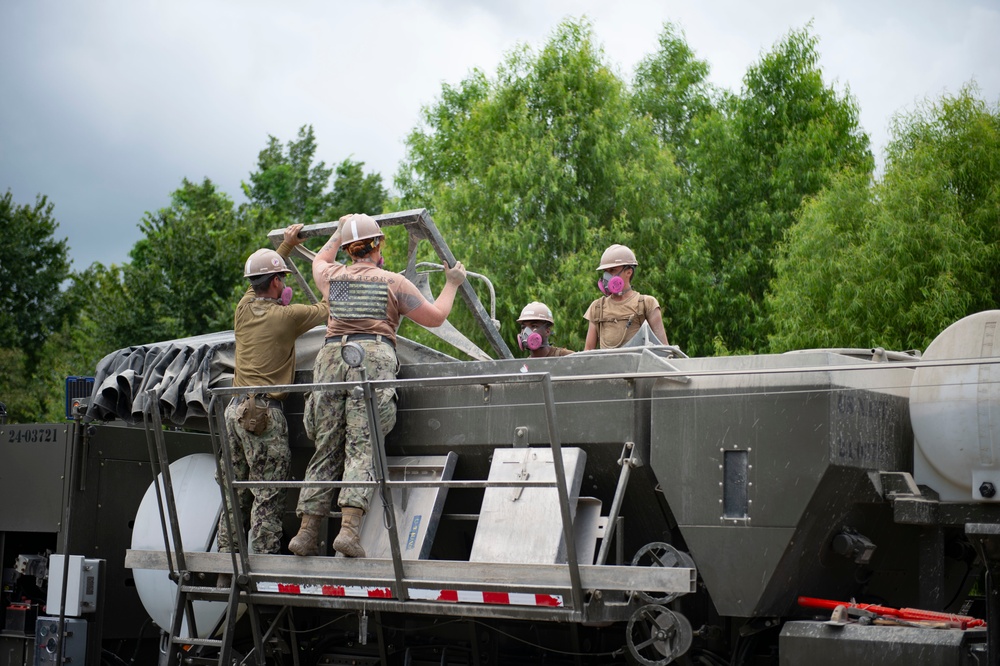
338	424
264	457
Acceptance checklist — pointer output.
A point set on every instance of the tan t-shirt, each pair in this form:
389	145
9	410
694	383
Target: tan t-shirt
265	337
553	351
618	321
367	299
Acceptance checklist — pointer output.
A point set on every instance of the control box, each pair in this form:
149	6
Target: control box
81	584
48	637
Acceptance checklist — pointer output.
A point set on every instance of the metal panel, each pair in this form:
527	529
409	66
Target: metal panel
32	475
820	644
726	556
525	524
108	490
16	651
441	418
810	431
418	510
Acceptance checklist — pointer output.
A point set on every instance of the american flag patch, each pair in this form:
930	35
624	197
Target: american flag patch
358	300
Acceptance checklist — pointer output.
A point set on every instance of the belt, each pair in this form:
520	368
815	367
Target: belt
350	337
271	402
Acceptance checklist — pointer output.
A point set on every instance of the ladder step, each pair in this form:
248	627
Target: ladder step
205	642
190	660
205	593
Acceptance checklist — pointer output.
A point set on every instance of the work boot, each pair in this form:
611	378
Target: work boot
224	581
304	543
348	541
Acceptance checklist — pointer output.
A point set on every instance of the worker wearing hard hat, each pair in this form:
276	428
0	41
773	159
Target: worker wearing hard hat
366	303
266	325
616	317
536	328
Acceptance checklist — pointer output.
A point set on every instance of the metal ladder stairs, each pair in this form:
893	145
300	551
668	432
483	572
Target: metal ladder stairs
183	636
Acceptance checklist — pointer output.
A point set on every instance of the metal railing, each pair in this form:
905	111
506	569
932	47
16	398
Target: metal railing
382	480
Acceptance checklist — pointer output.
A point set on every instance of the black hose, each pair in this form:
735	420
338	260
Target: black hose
138	641
118	660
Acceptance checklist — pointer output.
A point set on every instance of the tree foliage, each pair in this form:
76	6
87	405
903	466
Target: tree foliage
182	274
752	162
533	172
33	265
289	186
355	192
36	313
671	87
895	262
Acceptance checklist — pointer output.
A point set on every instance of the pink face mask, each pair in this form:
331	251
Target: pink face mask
529	339
286	296
611	285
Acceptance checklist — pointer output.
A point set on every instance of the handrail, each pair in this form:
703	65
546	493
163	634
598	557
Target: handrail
382	480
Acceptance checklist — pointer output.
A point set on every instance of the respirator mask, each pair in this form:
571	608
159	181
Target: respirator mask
611	285
530	339
286	296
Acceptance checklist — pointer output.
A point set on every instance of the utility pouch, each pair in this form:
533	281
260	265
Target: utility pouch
252	416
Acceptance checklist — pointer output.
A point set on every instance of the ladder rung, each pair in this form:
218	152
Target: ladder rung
203	592
190	660
206	642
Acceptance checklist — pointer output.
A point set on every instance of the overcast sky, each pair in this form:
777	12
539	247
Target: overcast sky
105	106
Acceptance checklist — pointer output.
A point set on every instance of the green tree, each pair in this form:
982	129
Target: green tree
36	392
894	262
290	186
33	265
671	87
750	166
287	186
533	172
355	192
37	312
182	275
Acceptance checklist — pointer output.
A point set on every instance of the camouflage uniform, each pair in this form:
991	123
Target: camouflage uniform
263	457
338	424
265	332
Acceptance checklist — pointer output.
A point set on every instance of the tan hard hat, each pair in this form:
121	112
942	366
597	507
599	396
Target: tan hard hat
264	262
617	255
536	311
359	227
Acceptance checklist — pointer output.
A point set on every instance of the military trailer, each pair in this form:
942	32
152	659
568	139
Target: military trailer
629	506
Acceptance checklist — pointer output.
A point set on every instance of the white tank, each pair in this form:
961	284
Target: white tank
199	503
955	412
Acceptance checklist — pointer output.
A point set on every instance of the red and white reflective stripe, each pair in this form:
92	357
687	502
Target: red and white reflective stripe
327	590
476	597
450	596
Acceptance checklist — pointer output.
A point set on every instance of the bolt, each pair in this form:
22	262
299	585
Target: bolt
987	489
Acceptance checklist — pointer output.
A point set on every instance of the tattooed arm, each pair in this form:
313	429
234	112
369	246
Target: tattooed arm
434	314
